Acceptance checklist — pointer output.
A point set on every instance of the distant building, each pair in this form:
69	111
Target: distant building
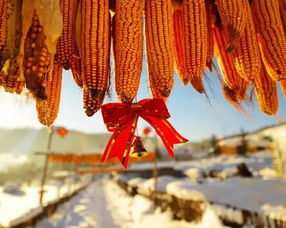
256	141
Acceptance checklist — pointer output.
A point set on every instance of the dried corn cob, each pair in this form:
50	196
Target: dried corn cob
8	60
159	42
95	52
179	41
233	16
247	55
67	51
230	75
283	87
36	60
266	93
48	109
128	47
282	9
14	85
196	47
3	24
210	42
271	37
11	83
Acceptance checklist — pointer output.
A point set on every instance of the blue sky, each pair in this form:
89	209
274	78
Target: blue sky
192	114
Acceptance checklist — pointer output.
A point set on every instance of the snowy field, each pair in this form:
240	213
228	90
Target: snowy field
19	207
105	205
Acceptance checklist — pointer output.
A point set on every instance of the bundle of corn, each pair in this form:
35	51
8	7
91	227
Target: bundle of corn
95	52
128	47
38	38
159	40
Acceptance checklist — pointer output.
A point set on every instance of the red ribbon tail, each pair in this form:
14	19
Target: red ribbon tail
120	143
167	133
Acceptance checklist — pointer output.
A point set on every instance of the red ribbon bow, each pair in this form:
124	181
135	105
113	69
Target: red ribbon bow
122	120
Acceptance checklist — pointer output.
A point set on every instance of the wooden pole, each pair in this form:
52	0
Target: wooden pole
155	169
45	170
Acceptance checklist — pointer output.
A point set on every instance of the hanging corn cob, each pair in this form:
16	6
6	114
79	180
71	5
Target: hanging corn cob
36	59
49	25
179	41
225	60
159	42
67	51
271	37
282	9
3	24
233	16
48	109
210	42
246	55
196	47
95	52
266	93
128	47
8	60
12	84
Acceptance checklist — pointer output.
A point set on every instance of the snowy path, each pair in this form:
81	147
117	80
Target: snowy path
83	211
104	205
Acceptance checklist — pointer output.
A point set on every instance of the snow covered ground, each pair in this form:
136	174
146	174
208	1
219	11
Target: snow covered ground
22	206
105	205
243	193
